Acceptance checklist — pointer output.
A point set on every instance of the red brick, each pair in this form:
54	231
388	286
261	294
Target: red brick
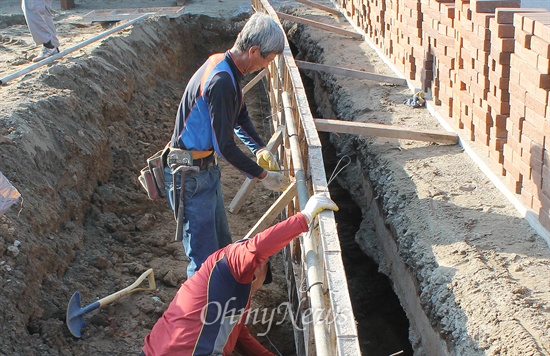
489	6
546	159
499	45
499	69
545	187
522	38
501	30
517	107
506	15
536	205
517	90
524	168
530	21
538	107
498	81
526	196
498	106
544	218
542	27
526	55
540	46
543	64
532	132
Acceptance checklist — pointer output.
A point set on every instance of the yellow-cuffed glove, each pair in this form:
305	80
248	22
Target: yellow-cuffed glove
275	181
267	160
316	204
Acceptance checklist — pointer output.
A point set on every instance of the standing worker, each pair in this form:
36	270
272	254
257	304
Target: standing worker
38	14
207	316
210	113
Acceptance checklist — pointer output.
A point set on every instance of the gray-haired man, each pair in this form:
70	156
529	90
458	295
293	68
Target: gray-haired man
211	113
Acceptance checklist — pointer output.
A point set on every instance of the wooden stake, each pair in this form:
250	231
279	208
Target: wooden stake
322	26
254	80
269	217
248	185
367	129
350	72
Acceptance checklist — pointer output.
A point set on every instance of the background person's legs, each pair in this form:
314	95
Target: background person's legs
40	21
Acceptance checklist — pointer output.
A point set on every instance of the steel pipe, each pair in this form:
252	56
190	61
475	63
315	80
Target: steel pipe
32	67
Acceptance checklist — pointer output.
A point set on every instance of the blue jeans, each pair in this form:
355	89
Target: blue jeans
205	228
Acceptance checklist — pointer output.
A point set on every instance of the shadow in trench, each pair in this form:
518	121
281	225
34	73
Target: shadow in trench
382	324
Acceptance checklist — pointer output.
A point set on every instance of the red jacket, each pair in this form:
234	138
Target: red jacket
208	313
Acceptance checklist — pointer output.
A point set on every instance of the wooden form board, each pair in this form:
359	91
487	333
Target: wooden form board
274	210
115	15
244	191
254	81
322	26
367	129
330	10
350	72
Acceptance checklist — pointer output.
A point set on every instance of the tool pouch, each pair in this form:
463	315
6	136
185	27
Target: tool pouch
152	176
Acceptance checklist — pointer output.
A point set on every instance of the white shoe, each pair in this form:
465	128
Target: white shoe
46	52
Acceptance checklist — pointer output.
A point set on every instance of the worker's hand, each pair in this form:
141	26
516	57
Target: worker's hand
275	181
316	204
267	160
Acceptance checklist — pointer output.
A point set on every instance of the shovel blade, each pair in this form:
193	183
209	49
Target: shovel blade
75	320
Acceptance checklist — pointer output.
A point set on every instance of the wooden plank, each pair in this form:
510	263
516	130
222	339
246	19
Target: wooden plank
274	210
115	15
322	26
254	80
320	7
350	72
367	129
244	191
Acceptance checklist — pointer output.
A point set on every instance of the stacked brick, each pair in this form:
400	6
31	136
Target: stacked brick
498	97
438	33
526	155
404	28
378	23
487	65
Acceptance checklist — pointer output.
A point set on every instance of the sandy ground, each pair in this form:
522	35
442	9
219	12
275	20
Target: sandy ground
480	272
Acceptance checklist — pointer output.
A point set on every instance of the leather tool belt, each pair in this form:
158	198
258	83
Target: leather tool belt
202	159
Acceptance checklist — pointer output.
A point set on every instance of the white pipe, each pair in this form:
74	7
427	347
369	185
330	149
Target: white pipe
322	344
32	67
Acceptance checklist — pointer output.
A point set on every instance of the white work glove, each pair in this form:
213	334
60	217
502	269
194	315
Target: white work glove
267	160
275	181
316	204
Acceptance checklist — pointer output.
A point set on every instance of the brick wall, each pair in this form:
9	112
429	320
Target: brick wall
486	64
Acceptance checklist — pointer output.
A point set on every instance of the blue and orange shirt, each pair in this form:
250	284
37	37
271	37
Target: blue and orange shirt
212	111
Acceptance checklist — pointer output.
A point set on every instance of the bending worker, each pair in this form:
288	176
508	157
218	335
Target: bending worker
207	315
211	112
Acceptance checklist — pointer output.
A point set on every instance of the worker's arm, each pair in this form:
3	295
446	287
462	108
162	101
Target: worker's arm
224	112
247	345
244	257
246	131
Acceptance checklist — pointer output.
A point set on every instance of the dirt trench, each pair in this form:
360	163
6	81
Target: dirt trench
80	131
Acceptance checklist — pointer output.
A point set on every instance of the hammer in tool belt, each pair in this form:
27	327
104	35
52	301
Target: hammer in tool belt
180	161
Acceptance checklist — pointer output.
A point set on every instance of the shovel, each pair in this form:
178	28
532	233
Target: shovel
75	320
